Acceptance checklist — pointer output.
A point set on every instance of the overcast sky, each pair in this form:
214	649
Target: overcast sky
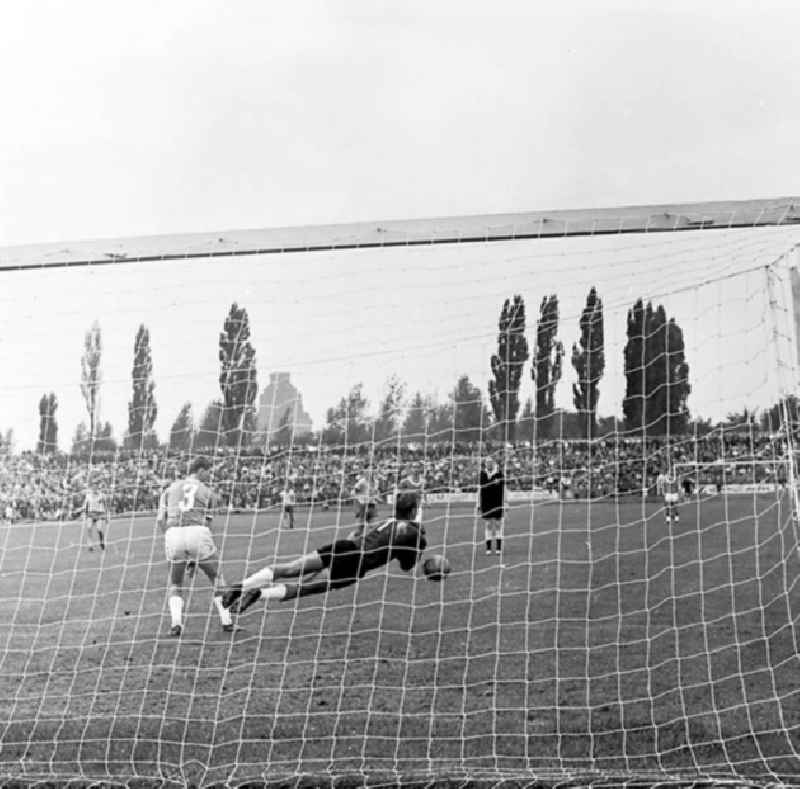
150	118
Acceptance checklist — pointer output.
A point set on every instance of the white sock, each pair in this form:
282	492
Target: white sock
277	592
176	609
261	578
224	613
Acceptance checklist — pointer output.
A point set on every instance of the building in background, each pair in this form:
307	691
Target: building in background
280	406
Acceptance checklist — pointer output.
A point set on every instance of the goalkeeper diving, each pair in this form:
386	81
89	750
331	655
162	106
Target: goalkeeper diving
338	564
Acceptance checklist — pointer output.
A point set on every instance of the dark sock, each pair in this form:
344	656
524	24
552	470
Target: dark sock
488	545
499	545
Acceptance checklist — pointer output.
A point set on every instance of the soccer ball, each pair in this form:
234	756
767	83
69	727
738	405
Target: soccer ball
436	568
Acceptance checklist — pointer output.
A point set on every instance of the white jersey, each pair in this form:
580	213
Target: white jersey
187	502
95	503
186	506
288	498
365	492
667	486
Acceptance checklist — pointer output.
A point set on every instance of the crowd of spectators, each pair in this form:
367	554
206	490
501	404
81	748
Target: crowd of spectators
47	487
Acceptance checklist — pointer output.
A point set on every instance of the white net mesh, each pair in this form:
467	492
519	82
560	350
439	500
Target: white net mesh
584	636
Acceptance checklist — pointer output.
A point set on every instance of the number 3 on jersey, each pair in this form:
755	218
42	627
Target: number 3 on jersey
189	492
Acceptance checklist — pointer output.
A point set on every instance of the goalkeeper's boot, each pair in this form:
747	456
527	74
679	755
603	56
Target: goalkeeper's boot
175	630
231	595
231	628
250	597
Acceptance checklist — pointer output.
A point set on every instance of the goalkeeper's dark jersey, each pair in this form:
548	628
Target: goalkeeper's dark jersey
393	539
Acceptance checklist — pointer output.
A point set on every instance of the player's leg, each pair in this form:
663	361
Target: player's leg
341	560
176	569
488	534
101	524
308	563
211	569
290	591
88	521
498	535
291	517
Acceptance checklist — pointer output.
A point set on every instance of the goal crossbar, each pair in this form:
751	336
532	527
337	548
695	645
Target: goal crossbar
663	218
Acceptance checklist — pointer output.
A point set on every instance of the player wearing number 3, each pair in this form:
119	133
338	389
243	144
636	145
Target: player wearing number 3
184	515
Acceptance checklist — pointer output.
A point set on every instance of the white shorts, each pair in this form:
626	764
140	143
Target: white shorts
97	516
494	526
189	543
670	498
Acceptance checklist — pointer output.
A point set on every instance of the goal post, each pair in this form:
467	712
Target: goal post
566	358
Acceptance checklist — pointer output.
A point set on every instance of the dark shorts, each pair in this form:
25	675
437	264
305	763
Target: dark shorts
366	511
342	560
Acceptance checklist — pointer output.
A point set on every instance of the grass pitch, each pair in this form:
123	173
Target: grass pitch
607	642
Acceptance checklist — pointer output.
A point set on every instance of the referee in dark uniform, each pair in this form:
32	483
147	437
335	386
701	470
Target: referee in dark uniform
491	503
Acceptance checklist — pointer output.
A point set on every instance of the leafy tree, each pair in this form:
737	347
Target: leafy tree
506	366
91	376
237	378
181	435
588	359
440	422
417	416
740	419
656	373
567	424
773	419
469	417
104	440
607	426
388	422
700	427
142	409
80	441
547	363
635	365
527	423
209	433
347	421
48	426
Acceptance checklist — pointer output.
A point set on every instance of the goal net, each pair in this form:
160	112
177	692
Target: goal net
565	359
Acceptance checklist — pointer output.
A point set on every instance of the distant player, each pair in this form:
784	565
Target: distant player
288	499
340	563
95	516
365	495
491	504
667	486
415	481
184	515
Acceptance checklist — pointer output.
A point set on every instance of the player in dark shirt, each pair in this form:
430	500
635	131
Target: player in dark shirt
491	504
343	562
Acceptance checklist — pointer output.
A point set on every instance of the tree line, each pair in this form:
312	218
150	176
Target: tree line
655	401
